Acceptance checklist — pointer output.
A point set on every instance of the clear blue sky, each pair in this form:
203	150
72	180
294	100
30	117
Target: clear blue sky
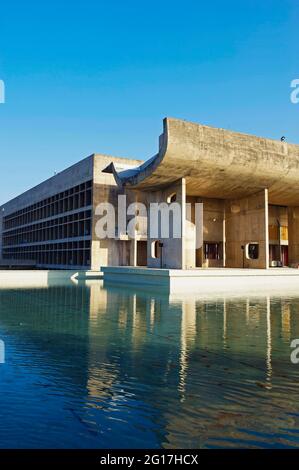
99	76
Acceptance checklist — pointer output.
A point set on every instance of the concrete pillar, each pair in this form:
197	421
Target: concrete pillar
133	252
266	229
224	239
183	223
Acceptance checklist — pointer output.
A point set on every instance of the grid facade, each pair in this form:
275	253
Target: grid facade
53	231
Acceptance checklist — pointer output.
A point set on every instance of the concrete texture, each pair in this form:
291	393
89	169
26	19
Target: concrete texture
220	164
34	278
172	254
10	279
246	221
293	235
237	177
204	280
247	185
72	176
105	189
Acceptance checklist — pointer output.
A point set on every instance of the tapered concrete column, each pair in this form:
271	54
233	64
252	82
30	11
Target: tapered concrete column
266	228
133	252
183	223
224	238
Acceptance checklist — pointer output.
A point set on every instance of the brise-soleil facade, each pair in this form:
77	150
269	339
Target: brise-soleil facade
248	187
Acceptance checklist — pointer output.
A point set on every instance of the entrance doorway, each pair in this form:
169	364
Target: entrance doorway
285	255
279	255
211	255
141	253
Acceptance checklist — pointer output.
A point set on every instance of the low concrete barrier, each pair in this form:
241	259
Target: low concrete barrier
43	278
205	280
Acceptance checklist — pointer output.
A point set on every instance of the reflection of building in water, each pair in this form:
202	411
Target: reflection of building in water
286	321
167	344
167	354
269	340
98	299
251	334
188	334
188	323
49	320
202	323
242	327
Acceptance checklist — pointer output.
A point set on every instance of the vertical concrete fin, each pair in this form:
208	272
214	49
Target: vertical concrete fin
266	229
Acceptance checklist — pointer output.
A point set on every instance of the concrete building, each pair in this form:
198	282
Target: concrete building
247	185
51	225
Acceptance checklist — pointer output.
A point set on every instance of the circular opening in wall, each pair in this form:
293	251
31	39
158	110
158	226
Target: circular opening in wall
252	250
295	213
171	198
235	208
156	249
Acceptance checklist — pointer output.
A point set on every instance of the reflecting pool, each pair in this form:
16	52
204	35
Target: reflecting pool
93	366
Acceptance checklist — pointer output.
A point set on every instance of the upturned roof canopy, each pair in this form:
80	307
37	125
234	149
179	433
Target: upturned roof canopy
217	163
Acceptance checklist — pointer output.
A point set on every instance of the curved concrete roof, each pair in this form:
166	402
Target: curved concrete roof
218	163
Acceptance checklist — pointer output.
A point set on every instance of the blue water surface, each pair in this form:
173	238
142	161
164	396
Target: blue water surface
88	366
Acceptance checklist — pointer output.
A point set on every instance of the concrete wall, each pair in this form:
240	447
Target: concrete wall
213	228
72	176
293	230
222	164
212	231
103	252
246	221
15	279
278	222
172	254
108	252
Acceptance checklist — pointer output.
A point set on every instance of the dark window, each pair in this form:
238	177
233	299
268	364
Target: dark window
213	250
156	249
171	198
253	251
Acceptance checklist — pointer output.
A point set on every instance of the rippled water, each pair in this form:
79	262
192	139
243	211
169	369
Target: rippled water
94	367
